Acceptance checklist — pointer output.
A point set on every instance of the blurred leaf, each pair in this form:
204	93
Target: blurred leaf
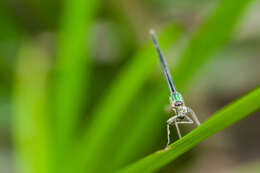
211	36
109	111
251	167
44	13
219	121
9	27
142	135
10	33
73	68
30	128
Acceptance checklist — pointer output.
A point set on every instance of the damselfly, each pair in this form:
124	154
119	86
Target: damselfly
181	112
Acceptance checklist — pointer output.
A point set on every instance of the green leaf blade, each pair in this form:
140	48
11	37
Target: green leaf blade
219	121
210	37
32	138
72	71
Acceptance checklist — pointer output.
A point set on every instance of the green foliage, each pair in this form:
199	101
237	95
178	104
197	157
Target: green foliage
30	123
213	34
98	146
71	74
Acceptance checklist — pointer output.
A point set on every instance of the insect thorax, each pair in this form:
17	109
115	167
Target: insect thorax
176	97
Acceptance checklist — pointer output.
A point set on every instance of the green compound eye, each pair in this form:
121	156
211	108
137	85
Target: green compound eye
176	97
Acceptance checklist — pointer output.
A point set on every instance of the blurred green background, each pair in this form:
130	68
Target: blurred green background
82	90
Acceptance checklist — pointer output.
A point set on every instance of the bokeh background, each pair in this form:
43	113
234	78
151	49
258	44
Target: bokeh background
99	51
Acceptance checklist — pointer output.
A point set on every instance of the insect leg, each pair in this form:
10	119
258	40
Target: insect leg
195	118
168	135
177	128
169	122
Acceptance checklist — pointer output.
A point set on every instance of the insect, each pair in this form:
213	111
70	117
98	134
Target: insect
181	112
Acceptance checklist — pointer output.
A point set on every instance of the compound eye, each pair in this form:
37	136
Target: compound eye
178	103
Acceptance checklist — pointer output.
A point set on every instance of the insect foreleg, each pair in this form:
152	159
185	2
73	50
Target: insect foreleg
195	118
177	128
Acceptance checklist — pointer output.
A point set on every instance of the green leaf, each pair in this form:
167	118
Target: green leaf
211	36
32	139
72	70
219	121
10	28
142	135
